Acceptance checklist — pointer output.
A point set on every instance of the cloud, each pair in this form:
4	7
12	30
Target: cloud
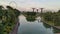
51	4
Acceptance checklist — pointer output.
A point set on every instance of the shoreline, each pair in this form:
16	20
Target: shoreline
51	25
15	28
57	33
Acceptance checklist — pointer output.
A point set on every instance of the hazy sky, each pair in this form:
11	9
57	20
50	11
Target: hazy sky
50	4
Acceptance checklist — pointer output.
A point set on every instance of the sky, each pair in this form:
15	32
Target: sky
28	4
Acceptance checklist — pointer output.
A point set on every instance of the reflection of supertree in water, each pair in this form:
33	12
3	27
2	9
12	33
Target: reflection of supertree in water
13	4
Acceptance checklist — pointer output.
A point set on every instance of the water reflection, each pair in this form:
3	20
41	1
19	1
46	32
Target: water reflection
55	30
35	27
46	25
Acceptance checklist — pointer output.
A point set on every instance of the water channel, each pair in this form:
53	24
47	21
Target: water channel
36	27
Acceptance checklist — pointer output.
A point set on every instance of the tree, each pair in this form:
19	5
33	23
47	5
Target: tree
33	9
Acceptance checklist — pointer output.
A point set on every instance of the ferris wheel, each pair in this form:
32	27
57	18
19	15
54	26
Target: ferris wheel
13	4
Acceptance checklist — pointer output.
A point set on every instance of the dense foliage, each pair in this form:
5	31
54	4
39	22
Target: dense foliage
53	17
8	19
31	13
30	16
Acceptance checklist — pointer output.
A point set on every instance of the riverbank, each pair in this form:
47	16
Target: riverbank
51	24
57	33
56	27
15	28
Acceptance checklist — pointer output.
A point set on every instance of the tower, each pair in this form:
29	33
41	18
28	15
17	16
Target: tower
37	10
41	11
33	9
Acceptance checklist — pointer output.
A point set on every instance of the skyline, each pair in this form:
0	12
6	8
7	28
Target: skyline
28	4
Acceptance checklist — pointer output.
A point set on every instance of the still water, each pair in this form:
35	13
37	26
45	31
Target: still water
36	27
